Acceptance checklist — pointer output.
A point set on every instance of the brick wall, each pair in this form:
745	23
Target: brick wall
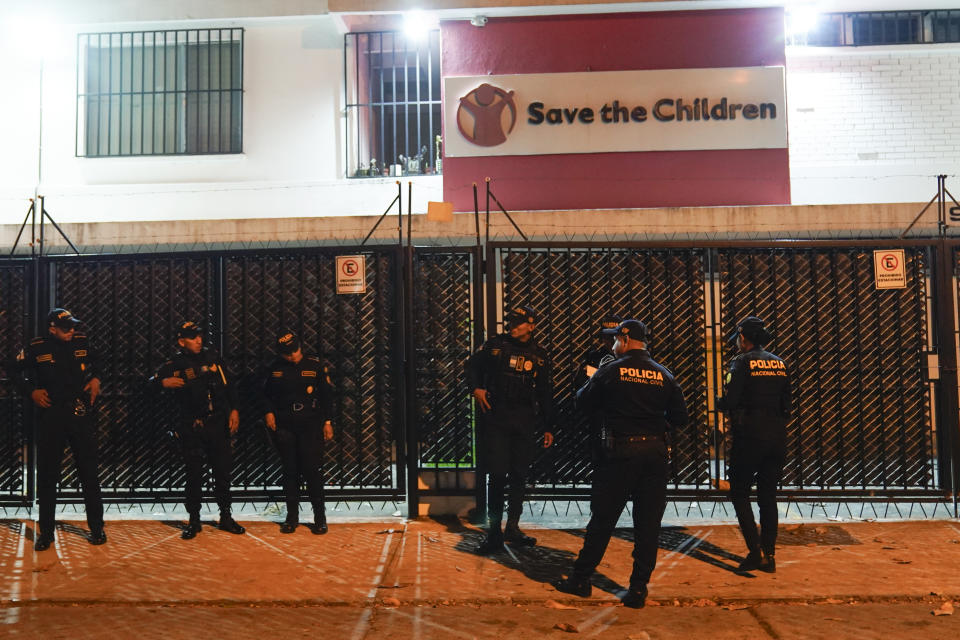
874	107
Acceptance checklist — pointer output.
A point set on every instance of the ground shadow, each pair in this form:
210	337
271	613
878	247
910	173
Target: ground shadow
539	563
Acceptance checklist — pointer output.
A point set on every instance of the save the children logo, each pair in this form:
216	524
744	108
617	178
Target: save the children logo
486	115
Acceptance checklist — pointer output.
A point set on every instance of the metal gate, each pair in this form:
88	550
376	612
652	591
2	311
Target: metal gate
16	483
873	416
131	306
572	287
864	407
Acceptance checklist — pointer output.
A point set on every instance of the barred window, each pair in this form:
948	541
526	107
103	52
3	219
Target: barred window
147	93
392	103
858	29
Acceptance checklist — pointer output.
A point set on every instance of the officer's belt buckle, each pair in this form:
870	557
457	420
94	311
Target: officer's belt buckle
297	406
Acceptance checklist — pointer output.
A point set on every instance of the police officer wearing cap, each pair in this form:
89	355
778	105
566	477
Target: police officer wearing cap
602	352
756	399
589	362
639	402
59	375
510	380
298	399
208	418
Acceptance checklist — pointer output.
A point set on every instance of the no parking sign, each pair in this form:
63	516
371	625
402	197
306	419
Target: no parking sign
889	270
351	274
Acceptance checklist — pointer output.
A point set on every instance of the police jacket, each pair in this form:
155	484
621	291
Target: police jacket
208	388
514	373
300	390
634	396
590	358
756	394
62	367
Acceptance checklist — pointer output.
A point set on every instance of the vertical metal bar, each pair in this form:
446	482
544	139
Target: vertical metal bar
209	84
143	82
110	99
81	95
239	92
430	144
409	394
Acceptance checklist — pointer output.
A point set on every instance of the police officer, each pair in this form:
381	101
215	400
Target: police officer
600	352
208	417
756	399
589	362
298	399
639	402
510	379
59	375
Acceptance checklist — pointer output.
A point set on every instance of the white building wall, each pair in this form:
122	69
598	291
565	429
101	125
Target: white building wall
867	125
873	124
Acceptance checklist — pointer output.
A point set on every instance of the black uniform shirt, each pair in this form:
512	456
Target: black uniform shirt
208	388
62	367
303	388
757	388
515	373
635	396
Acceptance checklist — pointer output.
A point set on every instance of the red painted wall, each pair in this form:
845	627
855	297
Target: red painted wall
616	42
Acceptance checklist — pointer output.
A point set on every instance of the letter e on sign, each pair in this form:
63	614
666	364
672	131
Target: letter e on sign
351	274
889	269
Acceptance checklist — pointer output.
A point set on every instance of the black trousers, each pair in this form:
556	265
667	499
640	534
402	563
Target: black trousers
210	441
300	444
57	427
508	446
761	461
642	478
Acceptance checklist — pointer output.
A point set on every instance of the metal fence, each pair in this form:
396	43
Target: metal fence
872	418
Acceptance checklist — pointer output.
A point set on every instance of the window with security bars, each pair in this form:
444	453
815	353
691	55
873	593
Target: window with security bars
392	104
873	28
146	93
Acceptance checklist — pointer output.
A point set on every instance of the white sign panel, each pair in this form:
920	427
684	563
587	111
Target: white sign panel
889	269
614	111
351	274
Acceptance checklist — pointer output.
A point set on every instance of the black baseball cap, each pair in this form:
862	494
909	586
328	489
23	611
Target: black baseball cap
519	315
62	319
633	329
287	342
189	330
752	329
610	321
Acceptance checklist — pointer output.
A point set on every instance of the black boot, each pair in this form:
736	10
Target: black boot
43	541
319	523
192	529
228	524
290	524
752	561
768	564
494	540
635	598
574	585
514	536
97	536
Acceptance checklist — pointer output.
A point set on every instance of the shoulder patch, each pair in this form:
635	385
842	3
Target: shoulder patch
45	357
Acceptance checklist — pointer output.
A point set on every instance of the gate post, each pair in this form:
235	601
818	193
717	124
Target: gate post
408	395
948	411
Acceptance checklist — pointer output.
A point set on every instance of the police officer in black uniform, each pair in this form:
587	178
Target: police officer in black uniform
298	399
589	362
639	402
208	418
591	359
59	375
510	380
756	399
